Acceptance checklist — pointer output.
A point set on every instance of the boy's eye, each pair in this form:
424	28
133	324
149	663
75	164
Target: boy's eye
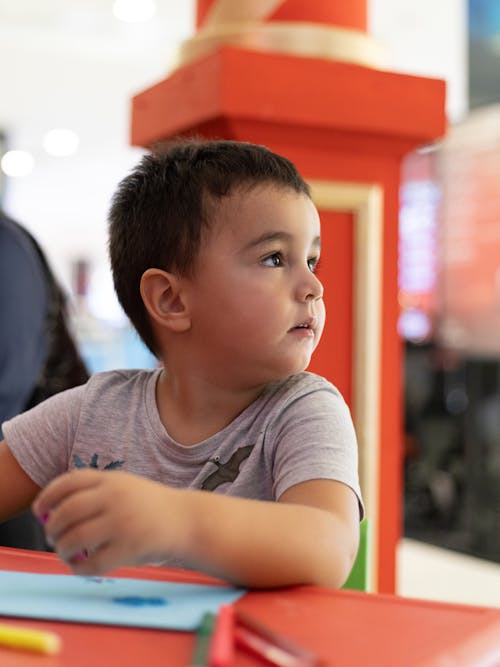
313	264
273	260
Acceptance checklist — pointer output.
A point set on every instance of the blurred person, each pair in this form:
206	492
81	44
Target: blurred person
38	357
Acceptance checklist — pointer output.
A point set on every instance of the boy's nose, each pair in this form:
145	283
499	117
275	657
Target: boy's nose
311	288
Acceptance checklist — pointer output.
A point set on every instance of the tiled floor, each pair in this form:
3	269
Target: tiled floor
425	571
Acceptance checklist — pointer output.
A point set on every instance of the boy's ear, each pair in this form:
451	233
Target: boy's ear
162	295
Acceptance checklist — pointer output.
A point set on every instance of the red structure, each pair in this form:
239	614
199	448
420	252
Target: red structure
346	14
346	126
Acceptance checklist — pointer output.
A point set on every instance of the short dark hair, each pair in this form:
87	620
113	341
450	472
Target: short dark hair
160	209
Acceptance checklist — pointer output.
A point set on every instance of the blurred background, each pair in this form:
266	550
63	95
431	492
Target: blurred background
68	71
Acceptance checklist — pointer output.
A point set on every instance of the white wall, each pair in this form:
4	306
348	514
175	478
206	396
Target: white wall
427	38
79	76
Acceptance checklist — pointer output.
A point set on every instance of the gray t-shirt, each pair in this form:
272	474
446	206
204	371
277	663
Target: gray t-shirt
296	430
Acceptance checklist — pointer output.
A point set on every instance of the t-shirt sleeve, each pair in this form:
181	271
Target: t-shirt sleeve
315	439
41	438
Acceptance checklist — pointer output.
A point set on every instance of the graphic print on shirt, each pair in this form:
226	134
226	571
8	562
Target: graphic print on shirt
226	472
94	463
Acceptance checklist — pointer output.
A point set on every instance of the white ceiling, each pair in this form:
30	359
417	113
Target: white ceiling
71	64
94	18
57	55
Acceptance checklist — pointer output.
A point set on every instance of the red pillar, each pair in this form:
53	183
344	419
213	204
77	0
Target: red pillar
346	126
351	14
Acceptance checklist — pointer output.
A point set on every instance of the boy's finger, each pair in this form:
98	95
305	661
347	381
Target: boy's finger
99	562
61	487
76	509
82	540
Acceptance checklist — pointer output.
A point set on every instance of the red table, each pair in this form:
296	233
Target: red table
345	628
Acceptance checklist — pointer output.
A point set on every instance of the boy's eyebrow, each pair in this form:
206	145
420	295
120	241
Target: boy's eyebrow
267	237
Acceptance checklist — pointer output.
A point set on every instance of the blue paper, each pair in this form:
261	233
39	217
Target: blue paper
110	601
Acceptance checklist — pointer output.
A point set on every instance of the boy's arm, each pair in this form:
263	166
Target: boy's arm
309	537
17	489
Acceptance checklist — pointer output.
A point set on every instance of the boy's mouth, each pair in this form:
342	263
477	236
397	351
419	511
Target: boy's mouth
306	325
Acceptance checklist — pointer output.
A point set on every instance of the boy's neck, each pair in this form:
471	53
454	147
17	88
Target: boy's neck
194	411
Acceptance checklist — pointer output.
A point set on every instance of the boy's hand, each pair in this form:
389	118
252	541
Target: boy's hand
114	518
308	537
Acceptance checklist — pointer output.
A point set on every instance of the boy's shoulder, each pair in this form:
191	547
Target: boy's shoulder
127	379
303	383
303	392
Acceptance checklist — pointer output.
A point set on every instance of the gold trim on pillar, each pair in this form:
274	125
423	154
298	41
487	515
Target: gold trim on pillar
296	38
365	202
229	11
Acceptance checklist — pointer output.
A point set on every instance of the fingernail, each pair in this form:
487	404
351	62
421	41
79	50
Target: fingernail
43	518
79	556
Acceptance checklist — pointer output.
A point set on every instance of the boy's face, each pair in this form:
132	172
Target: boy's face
256	303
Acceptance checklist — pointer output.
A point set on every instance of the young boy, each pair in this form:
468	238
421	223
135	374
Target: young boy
229	458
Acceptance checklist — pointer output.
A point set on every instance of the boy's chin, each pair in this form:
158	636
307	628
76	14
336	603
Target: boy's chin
292	369
275	371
